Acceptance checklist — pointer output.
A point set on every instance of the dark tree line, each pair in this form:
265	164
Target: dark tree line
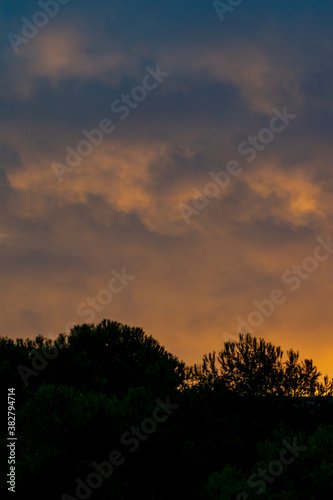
181	432
255	367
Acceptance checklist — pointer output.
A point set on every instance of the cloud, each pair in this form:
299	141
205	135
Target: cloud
120	206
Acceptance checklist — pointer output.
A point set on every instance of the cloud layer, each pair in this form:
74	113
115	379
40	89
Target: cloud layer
120	206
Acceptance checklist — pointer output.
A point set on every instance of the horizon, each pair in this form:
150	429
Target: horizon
197	363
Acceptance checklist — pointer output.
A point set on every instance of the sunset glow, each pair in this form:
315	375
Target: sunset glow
140	105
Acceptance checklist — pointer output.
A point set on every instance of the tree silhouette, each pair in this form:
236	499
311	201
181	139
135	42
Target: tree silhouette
255	367
102	381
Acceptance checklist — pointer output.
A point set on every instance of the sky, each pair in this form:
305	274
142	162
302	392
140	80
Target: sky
168	165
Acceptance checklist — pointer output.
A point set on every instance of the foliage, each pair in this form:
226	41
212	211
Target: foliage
102	381
256	368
